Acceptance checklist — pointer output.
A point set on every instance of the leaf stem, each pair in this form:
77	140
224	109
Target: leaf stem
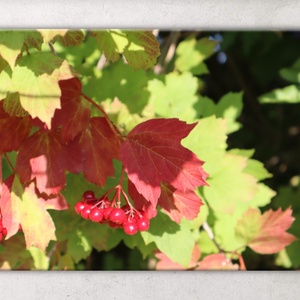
210	233
111	125
52	48
241	261
9	163
101	62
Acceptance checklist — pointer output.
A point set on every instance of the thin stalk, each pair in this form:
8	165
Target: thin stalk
52	48
9	163
111	125
210	234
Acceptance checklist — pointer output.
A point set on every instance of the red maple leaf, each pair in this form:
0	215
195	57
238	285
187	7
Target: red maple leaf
75	111
13	130
141	203
152	153
266	234
53	201
177	204
42	156
98	145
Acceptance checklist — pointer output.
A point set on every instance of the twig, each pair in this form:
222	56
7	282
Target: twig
111	125
167	52
172	48
210	234
52	48
101	62
52	250
9	163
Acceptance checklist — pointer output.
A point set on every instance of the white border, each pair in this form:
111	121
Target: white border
121	285
165	14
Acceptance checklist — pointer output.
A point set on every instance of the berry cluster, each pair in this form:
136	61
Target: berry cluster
103	211
3	231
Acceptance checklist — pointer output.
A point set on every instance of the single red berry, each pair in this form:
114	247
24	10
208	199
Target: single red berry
130	227
88	195
106	212
80	206
86	212
126	208
143	224
96	214
117	215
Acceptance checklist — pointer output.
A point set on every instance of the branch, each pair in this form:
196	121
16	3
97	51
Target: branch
167	52
101	62
52	48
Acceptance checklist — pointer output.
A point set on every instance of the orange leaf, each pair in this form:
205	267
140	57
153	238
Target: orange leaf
266	234
217	262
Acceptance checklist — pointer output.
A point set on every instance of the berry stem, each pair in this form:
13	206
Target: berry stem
127	200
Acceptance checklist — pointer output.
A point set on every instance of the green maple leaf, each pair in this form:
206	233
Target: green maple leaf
208	141
175	96
35	78
11	43
191	54
230	186
140	48
175	240
64	36
229	107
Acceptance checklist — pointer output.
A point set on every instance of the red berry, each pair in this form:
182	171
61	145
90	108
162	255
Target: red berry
96	214
106	212
88	195
130	227
80	206
86	212
117	215
143	224
126	208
